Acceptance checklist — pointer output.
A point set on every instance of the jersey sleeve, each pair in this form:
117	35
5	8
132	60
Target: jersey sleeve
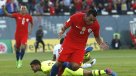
31	19
69	22
97	29
14	15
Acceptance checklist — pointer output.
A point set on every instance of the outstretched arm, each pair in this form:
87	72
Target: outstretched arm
6	12
102	44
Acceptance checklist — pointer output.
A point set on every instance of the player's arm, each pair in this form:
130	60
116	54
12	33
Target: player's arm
63	29
67	24
101	43
31	26
98	39
6	12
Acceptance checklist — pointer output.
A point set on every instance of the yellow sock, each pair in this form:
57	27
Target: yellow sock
98	72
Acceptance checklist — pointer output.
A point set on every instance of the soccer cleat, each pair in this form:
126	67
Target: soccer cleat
110	72
93	62
19	64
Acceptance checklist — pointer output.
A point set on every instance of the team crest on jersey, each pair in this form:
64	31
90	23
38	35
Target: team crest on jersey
27	19
83	30
89	30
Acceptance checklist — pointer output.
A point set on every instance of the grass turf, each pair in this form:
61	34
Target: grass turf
121	61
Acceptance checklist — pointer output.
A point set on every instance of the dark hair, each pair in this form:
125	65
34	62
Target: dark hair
92	11
35	62
61	40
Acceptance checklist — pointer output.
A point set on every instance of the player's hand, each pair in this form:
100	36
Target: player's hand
61	33
104	46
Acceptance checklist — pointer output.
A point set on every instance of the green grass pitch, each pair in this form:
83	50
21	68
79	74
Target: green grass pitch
121	61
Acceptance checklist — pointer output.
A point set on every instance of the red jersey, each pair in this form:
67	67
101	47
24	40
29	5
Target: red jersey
22	22
77	35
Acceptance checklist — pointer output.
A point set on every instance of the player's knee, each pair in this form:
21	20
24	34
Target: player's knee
75	67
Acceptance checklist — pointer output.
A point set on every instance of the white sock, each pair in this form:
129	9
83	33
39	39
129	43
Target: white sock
86	65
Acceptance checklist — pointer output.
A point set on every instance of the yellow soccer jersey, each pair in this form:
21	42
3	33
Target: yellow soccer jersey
68	72
47	65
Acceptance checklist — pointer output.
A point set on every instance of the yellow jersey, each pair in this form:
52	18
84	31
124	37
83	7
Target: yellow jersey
46	67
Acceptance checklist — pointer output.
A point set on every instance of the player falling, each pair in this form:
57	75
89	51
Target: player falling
21	34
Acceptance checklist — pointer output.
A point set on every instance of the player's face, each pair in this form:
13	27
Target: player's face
35	68
23	9
89	19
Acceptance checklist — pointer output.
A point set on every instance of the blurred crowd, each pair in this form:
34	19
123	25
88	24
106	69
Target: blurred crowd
62	7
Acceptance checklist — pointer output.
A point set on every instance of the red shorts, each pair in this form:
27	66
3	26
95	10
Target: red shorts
21	39
71	55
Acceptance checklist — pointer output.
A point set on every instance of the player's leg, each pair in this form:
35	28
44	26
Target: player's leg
76	59
108	72
73	64
17	50
68	72
22	49
55	68
63	57
43	45
36	46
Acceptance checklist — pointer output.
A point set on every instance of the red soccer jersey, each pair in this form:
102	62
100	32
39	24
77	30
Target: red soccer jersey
78	33
22	22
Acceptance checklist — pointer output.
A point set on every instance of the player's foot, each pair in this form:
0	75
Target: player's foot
93	62
110	72
19	64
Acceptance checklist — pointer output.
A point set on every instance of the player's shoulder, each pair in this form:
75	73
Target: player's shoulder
28	15
78	14
96	23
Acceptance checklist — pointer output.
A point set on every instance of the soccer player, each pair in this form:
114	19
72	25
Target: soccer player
56	50
21	35
39	39
46	66
72	50
86	55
